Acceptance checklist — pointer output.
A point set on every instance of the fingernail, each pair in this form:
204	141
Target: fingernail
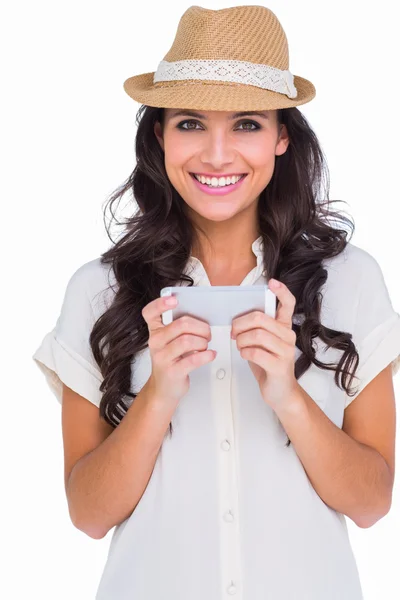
170	301
275	283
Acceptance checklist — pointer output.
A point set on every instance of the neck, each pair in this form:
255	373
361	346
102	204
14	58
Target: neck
226	244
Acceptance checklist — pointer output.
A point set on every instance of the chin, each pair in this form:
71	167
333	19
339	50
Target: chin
217	211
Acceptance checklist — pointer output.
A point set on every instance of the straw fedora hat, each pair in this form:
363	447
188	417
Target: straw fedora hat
229	59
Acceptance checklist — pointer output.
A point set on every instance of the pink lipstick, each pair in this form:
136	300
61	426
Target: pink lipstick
218	191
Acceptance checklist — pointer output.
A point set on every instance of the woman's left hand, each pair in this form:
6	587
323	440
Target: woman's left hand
269	346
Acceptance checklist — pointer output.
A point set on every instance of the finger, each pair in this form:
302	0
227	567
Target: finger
248	321
265	340
193	361
185	325
267	361
287	303
152	312
183	345
265	322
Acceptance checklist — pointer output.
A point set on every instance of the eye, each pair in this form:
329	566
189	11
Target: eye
182	123
256	125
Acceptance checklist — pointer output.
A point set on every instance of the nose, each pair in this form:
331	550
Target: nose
217	151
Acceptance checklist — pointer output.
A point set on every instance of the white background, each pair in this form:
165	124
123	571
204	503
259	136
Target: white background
68	141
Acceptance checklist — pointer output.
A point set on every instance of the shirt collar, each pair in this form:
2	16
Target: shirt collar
196	269
258	246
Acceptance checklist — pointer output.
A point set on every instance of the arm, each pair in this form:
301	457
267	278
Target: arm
106	484
350	477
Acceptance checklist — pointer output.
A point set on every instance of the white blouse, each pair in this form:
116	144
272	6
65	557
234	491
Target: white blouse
229	510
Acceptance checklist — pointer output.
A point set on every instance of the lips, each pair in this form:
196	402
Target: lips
218	176
218	190
242	176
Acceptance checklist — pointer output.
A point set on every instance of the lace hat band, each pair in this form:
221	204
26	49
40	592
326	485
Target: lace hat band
234	71
228	59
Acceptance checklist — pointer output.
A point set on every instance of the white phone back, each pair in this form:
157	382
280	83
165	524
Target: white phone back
218	305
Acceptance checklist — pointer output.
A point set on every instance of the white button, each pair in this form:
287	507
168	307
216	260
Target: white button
221	373
225	445
232	589
228	516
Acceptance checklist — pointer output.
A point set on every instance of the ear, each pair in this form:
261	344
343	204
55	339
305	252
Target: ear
283	141
158	133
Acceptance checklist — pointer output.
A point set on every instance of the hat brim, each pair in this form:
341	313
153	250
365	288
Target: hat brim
207	95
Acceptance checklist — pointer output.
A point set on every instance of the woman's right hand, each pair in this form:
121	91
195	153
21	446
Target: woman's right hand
168	344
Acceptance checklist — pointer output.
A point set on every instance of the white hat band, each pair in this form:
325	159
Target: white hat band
234	71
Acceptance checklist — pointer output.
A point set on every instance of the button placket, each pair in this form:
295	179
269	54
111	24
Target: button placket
231	589
228	516
225	445
228	499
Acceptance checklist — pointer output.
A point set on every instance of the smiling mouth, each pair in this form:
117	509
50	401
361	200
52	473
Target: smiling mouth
218	186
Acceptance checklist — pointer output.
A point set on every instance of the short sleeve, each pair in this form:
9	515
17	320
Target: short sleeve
376	332
64	355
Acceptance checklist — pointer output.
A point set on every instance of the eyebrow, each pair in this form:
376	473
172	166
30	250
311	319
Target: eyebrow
235	115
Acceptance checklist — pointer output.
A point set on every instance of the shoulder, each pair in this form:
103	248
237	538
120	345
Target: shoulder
352	272
93	282
93	272
355	294
353	261
350	276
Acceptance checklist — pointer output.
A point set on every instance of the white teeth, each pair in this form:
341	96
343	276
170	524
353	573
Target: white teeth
218	181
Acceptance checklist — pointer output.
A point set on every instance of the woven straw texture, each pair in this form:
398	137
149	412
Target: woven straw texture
244	33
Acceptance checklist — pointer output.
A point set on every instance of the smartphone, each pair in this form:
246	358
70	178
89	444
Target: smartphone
218	304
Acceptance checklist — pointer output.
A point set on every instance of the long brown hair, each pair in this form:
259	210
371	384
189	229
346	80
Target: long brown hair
293	218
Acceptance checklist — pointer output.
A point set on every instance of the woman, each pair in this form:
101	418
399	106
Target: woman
227	472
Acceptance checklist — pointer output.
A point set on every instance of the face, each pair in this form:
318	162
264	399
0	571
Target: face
215	144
